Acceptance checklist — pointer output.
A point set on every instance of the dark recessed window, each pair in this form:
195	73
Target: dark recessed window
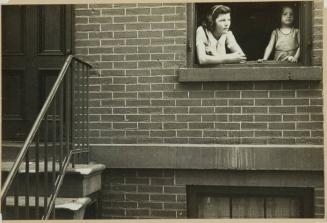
252	25
249	202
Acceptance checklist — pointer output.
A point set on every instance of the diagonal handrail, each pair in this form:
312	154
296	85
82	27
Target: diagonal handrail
36	126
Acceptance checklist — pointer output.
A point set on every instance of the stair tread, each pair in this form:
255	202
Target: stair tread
73	204
83	169
19	145
12	144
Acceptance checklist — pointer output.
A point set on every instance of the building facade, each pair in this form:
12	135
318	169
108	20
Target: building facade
172	147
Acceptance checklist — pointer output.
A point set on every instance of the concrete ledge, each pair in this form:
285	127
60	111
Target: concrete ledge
222	157
255	73
251	178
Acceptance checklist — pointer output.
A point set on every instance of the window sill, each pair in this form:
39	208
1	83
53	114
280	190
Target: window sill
249	73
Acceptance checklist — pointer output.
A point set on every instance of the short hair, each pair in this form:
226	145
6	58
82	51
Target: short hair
213	14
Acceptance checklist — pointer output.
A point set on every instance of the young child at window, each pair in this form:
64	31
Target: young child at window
214	36
285	41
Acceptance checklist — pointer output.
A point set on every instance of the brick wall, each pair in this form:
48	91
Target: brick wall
140	193
136	50
135	96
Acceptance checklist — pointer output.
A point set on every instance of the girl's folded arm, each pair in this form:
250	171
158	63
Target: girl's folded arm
203	58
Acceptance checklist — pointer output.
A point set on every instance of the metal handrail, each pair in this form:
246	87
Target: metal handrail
36	125
59	182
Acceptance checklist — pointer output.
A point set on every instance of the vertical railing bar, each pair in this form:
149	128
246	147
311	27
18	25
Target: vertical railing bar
16	198
79	105
54	144
73	104
87	114
27	186
84	109
61	125
4	207
37	170
67	110
46	191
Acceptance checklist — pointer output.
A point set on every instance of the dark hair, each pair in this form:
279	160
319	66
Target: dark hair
212	15
281	10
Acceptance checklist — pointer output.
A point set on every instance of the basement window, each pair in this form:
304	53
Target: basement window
252	25
249	202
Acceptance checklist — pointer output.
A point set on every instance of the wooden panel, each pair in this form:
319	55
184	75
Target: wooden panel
51	30
13	99
248	207
281	207
214	207
13	35
47	79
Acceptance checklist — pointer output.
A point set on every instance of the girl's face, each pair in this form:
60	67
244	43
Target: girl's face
287	16
222	23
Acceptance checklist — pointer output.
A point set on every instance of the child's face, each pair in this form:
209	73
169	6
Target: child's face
223	23
287	16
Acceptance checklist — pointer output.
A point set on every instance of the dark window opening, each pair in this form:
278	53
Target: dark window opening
252	25
249	202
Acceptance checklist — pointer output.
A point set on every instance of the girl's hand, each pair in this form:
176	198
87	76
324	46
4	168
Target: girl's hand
261	60
292	59
238	57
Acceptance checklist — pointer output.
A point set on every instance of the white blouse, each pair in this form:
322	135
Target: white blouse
211	44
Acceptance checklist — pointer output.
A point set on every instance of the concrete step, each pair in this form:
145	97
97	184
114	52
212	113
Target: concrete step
10	149
80	181
65	208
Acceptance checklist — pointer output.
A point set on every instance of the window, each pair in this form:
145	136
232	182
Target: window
252	25
249	202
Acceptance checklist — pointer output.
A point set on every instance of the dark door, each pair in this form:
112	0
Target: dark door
35	43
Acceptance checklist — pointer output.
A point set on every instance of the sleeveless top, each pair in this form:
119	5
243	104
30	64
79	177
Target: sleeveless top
286	44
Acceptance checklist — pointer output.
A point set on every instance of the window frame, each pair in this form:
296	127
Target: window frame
244	72
305	194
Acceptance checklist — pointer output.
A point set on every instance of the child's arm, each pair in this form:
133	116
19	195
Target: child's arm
297	54
295	58
232	44
269	47
204	58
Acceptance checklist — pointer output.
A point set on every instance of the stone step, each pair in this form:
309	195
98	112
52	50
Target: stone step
80	181
10	150
65	208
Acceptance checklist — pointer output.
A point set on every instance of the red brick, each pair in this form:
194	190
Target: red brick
162	197
112	27
125	19
113	12
154	18
100	19
164	213
137	197
88	27
163	10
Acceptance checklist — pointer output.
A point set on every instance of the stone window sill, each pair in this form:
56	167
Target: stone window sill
249	73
